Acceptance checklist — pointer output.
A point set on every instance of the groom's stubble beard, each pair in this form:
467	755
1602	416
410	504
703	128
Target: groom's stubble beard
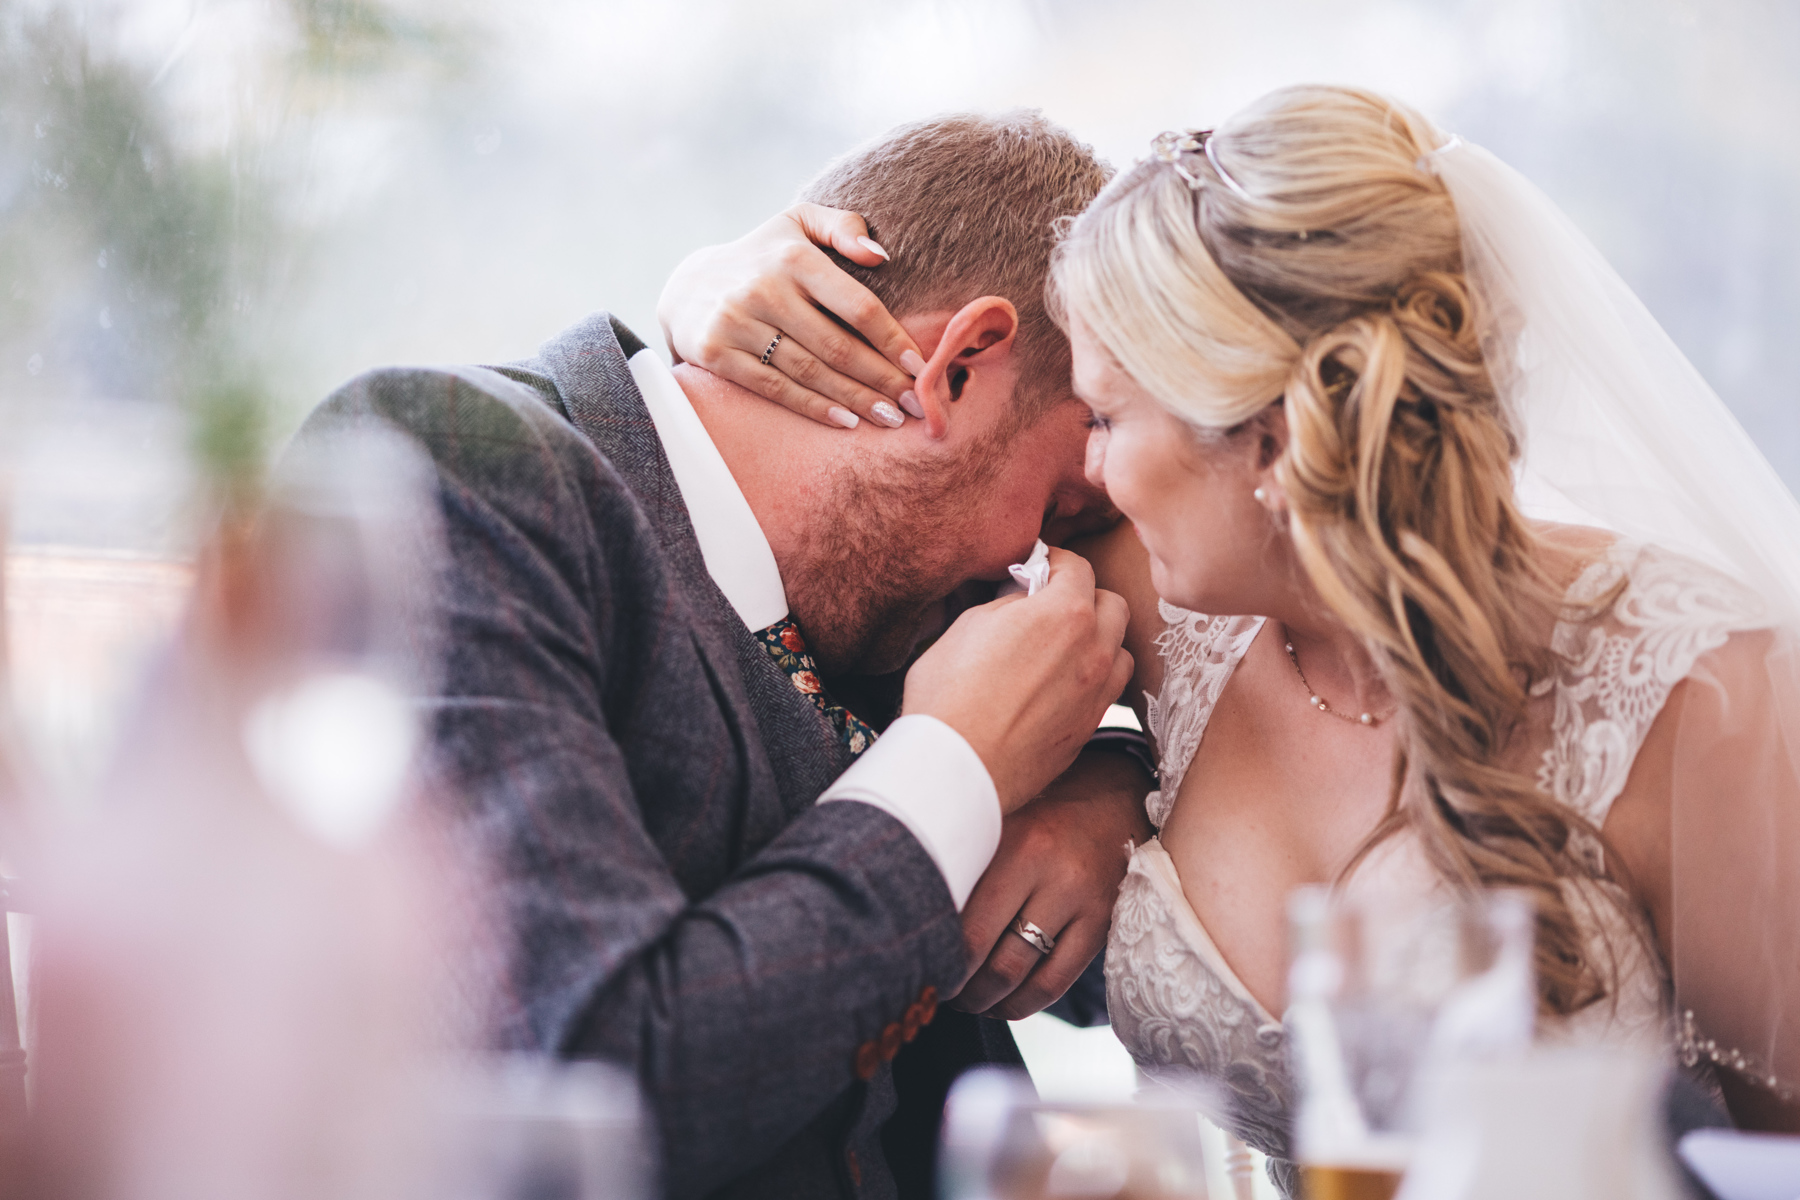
882	565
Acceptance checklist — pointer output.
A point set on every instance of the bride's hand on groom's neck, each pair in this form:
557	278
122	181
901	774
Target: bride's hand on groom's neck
724	306
1026	680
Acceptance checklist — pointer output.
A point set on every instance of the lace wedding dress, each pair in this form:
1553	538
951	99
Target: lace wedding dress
1176	1003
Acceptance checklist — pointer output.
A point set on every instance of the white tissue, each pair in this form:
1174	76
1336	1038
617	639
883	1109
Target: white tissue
1029	575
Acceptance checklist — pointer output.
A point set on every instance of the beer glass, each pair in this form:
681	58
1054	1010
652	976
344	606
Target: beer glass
1379	987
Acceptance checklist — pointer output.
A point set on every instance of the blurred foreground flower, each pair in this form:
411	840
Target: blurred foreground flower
242	961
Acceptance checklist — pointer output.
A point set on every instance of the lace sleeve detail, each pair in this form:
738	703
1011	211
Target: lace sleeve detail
1199	653
1620	668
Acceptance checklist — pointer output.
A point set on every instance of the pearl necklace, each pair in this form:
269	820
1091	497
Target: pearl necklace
1317	701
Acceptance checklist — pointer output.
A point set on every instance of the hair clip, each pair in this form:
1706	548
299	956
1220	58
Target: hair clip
1169	146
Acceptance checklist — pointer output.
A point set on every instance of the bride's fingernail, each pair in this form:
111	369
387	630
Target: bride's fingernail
843	416
910	402
911	363
872	246
886	414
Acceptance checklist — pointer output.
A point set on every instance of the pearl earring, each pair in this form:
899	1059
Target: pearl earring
1261	494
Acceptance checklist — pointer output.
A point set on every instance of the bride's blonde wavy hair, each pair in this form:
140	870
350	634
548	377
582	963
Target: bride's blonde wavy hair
1323	270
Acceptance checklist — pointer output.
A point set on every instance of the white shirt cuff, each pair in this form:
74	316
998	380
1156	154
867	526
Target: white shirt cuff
925	775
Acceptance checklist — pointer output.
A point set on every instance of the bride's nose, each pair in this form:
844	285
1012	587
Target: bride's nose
1094	465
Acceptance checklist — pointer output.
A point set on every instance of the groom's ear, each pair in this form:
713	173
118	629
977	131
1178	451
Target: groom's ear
973	363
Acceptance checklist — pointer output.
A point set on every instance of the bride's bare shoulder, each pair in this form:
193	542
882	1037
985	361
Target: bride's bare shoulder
1578	544
1571	549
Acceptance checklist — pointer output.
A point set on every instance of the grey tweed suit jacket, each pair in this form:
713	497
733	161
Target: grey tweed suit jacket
639	779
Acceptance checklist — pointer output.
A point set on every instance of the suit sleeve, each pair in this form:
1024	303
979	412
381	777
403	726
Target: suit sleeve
741	991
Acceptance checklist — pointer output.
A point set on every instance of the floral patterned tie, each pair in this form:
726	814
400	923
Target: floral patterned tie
787	646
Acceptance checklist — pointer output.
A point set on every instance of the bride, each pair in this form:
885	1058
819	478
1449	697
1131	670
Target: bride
1460	576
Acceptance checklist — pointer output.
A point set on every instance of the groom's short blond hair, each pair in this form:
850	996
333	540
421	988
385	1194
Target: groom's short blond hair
968	205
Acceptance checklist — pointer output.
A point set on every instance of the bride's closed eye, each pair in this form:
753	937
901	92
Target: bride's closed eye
1097	421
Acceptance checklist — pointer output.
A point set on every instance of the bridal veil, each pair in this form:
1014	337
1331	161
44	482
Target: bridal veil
1619	430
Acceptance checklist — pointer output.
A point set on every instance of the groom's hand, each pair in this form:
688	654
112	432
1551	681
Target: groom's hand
1026	680
1060	863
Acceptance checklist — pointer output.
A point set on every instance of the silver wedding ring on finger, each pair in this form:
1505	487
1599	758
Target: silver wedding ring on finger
770	352
1040	941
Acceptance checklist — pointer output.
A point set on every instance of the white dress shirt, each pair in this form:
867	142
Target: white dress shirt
921	772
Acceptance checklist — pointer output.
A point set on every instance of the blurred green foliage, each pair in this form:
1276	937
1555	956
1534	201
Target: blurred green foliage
357	35
139	264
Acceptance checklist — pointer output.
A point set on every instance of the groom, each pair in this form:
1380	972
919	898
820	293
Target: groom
708	869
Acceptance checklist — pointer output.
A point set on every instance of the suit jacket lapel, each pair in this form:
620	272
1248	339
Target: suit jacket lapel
588	366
